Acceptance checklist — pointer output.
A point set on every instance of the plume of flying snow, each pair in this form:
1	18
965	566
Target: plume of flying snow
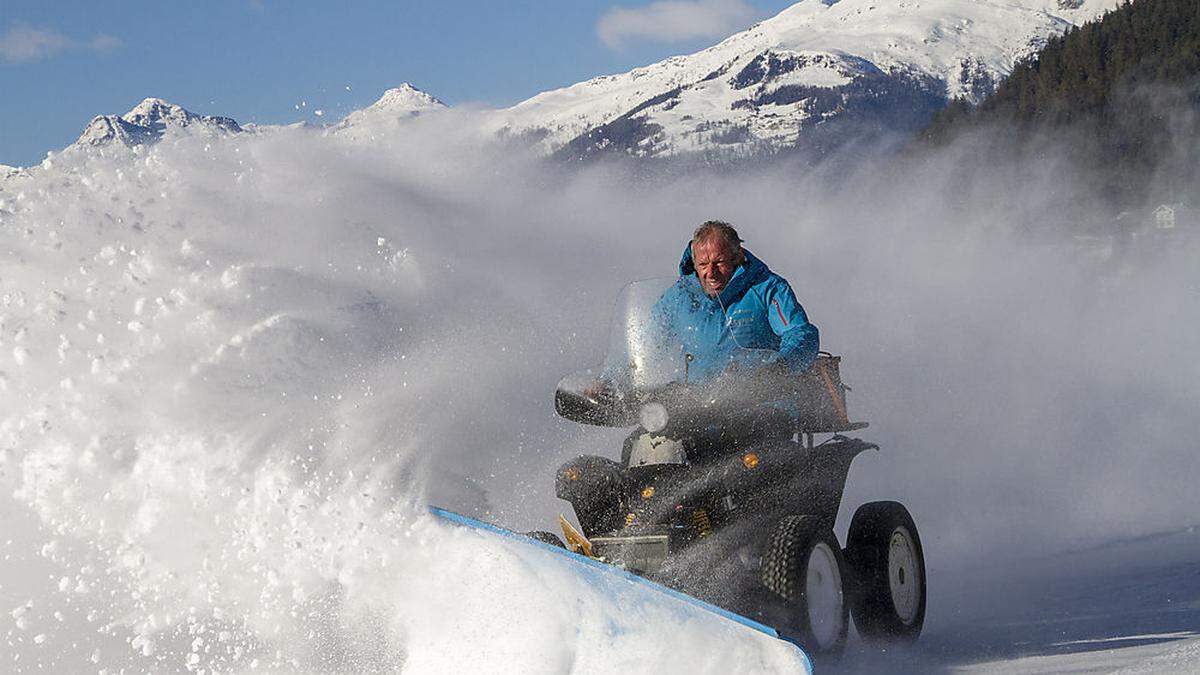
234	370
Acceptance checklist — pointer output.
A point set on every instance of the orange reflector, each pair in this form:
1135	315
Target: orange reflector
750	460
630	519
571	474
648	492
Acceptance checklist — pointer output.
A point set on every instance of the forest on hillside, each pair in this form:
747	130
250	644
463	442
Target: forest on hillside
1119	96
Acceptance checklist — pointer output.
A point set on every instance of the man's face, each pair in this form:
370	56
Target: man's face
715	262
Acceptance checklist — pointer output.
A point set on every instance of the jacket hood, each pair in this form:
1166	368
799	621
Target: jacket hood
749	273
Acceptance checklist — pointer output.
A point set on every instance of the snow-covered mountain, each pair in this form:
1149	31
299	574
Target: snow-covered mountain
818	73
396	104
147	123
817	66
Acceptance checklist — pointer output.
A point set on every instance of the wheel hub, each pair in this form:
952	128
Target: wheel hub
904	576
823	590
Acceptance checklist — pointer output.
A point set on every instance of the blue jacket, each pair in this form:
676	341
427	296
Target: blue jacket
756	310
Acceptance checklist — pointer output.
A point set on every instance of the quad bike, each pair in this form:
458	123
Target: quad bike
722	493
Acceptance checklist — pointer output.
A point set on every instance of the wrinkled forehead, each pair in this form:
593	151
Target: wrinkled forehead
714	248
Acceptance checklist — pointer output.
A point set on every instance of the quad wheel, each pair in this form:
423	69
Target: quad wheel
802	564
883	552
546	538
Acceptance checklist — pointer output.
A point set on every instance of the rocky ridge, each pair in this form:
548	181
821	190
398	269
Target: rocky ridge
146	123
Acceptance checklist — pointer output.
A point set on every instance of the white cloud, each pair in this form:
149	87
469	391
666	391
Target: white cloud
104	42
23	43
26	43
674	21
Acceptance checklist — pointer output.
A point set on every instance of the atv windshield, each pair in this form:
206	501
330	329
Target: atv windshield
671	344
658	338
664	332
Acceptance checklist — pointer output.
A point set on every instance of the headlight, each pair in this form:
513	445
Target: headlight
653	417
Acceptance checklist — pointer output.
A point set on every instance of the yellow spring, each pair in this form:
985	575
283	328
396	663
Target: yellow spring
701	522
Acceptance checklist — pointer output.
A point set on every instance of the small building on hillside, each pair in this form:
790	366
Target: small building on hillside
1175	216
1142	235
1164	216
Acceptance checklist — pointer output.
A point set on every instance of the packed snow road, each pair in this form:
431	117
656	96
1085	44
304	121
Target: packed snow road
1129	606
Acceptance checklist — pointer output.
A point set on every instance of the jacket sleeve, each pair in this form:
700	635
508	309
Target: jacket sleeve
799	340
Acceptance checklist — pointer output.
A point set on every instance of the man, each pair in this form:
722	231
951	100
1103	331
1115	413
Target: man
726	313
727	301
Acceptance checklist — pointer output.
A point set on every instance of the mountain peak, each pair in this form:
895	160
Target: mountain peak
154	108
157	114
150	103
146	123
398	103
405	99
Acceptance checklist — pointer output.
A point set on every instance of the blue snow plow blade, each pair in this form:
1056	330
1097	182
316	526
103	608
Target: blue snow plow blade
616	572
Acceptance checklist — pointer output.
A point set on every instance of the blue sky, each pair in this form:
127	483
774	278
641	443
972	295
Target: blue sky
63	62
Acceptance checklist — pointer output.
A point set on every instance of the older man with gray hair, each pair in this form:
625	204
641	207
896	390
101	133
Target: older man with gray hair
747	305
727	312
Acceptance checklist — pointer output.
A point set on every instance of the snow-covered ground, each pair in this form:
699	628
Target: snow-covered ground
233	369
1130	606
